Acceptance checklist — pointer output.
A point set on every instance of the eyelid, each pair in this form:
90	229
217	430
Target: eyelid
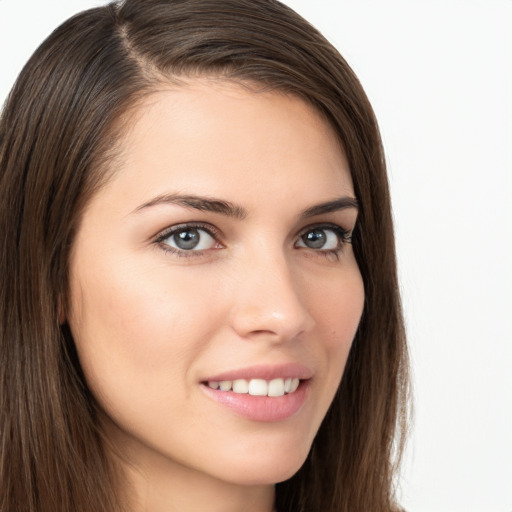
163	235
344	234
170	230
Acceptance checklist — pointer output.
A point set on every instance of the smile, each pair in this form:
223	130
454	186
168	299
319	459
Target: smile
257	387
260	400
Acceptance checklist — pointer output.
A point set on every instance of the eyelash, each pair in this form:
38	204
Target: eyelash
160	239
344	237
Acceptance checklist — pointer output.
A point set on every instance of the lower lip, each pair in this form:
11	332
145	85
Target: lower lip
261	408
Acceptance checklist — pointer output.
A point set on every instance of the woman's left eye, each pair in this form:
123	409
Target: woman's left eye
188	239
324	238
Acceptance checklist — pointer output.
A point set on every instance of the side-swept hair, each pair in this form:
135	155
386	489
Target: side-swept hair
58	132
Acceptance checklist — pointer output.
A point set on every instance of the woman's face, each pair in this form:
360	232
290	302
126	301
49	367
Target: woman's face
217	261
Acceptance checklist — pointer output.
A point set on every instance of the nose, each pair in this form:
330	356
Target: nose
268	301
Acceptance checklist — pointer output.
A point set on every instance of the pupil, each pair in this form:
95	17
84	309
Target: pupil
187	239
315	239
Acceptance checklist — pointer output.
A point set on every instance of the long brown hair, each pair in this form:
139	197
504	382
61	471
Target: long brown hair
58	132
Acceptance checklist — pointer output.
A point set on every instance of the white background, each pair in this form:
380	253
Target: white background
439	74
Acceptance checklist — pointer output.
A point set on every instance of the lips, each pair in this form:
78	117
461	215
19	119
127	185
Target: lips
261	393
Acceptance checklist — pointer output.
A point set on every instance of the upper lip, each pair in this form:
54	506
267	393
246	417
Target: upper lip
263	371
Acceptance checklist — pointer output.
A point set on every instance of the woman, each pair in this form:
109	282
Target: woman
198	287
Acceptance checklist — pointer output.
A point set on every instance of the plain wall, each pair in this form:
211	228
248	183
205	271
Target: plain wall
439	74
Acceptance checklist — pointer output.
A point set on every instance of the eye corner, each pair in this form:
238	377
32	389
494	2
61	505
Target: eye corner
197	239
325	238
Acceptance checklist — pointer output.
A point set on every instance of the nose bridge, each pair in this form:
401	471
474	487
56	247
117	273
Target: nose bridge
269	300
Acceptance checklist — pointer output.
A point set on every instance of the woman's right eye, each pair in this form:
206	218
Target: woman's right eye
183	239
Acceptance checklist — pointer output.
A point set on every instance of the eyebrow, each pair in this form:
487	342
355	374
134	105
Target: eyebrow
206	204
335	205
229	209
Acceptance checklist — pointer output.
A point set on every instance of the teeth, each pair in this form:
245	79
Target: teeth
240	386
294	385
225	385
276	387
257	387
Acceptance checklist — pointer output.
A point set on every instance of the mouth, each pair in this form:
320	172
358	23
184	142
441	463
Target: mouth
261	393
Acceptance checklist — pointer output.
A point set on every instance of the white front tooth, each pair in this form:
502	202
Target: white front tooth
287	385
240	386
276	387
225	385
258	387
213	384
294	385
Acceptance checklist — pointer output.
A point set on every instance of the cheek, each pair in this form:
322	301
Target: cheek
132	326
337	308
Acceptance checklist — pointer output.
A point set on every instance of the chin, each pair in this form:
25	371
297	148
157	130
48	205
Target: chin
265	467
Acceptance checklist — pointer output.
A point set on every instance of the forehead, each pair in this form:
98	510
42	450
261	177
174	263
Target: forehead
210	135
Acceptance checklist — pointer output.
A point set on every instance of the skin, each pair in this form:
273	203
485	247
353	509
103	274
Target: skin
150	324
